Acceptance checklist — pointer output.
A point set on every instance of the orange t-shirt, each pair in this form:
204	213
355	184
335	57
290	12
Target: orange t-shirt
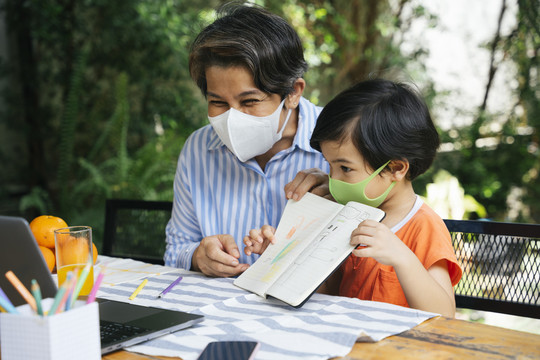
426	235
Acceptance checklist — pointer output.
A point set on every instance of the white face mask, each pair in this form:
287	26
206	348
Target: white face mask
247	136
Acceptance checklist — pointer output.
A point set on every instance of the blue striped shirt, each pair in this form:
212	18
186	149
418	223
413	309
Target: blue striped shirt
215	193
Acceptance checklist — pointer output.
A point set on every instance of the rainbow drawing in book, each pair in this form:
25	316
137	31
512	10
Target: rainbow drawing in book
294	237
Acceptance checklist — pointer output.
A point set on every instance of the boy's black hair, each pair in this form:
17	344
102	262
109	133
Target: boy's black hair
385	121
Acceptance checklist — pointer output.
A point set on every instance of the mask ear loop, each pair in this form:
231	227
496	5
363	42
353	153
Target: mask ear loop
280	133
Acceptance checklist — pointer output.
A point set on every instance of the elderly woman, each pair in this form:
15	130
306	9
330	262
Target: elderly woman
232	173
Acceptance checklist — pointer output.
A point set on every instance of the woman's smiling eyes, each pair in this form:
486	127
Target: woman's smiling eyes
251	102
217	103
246	102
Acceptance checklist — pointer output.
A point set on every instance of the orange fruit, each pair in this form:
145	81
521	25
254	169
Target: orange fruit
94	252
43	229
48	254
74	251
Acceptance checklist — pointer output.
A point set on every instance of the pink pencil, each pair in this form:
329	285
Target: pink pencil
95	288
72	281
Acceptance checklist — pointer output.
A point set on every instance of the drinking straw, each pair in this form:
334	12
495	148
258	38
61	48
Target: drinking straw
138	290
36	291
95	288
80	283
14	280
7	305
161	294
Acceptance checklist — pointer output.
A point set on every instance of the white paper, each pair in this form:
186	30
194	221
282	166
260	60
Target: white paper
300	223
118	271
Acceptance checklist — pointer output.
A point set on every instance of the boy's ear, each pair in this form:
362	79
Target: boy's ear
399	169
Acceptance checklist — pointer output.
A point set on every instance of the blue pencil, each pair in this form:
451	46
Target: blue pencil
3	295
7	305
58	298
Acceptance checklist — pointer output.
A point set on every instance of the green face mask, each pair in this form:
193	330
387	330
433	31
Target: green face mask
344	192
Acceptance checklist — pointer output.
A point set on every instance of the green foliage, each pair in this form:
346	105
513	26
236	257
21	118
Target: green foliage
497	159
67	128
101	101
348	41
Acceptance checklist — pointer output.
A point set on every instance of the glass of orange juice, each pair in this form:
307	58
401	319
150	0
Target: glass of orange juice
73	252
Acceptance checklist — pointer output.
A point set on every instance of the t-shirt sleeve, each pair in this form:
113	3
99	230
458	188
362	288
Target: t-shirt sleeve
432	243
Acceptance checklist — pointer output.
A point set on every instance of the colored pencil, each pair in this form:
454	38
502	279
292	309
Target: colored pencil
71	289
138	290
7	305
14	280
173	284
3	295
62	304
95	288
80	283
36	291
58	298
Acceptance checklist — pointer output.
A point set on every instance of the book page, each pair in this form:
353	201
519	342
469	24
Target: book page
299	225
323	255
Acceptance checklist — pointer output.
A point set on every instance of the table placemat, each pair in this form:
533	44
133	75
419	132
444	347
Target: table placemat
325	327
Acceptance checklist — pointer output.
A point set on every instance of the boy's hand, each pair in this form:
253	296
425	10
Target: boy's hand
258	240
377	241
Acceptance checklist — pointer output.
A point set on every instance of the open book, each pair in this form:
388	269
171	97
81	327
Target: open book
312	240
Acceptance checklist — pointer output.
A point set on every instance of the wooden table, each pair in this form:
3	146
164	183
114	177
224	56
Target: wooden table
437	338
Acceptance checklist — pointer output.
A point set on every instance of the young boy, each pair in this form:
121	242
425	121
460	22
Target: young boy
378	136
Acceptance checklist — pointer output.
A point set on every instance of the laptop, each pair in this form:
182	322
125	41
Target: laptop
121	324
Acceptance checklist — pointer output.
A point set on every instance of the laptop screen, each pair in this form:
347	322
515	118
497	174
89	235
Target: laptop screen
20	254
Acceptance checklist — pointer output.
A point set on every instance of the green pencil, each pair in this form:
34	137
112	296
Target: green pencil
58	298
36	292
80	283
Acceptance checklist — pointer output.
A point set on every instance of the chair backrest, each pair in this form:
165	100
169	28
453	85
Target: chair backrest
501	266
136	229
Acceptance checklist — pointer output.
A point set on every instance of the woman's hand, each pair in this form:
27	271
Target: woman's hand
218	255
310	180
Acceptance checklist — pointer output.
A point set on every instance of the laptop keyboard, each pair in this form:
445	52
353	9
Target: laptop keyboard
115	332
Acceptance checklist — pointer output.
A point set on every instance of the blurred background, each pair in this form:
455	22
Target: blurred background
96	99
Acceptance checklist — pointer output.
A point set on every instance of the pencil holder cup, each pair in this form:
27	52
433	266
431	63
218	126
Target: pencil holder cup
73	334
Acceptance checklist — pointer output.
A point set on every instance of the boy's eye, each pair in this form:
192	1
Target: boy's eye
345	169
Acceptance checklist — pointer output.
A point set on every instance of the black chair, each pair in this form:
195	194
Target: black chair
501	266
136	229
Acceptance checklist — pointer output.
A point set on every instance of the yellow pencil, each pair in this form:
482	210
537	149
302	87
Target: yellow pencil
138	289
14	280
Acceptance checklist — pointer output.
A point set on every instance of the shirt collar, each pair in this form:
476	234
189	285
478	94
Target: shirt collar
215	142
